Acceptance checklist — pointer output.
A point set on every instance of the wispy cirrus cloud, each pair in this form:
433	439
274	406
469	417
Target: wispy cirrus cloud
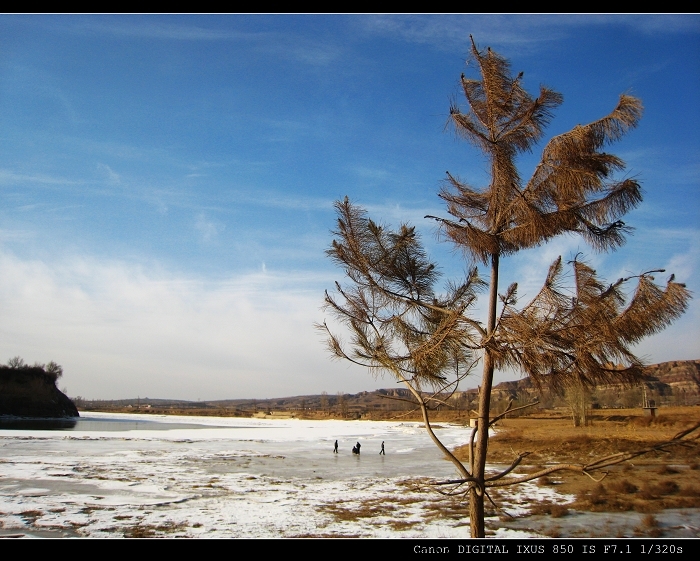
110	175
449	32
8	177
275	199
526	31
286	45
376	174
207	228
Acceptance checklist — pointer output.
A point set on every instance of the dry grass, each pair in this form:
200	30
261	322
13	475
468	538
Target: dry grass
399	525
623	487
650	483
557	440
153	530
649	526
31	515
326	536
690	490
394	511
553	510
642	490
369	508
446	508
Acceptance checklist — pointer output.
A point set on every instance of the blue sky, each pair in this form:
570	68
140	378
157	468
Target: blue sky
167	182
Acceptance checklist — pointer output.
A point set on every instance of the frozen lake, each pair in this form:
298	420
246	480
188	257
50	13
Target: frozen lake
114	475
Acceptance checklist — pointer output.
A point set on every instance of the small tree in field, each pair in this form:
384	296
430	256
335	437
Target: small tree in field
565	337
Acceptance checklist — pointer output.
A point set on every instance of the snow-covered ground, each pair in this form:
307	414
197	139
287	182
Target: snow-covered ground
143	475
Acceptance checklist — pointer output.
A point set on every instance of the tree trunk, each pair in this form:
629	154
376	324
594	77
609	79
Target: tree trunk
476	491
577	398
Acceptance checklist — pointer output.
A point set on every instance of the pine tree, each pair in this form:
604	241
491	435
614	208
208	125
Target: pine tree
400	324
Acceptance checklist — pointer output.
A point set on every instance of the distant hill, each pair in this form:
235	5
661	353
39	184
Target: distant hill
678	375
669	383
677	380
30	391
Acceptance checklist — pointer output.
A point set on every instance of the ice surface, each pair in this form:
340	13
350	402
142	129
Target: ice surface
229	477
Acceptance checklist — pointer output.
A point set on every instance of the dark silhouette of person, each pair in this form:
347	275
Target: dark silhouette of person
335	448
382	452
358	447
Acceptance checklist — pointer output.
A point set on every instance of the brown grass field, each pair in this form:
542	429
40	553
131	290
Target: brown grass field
647	484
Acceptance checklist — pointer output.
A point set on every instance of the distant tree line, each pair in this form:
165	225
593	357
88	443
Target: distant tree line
52	370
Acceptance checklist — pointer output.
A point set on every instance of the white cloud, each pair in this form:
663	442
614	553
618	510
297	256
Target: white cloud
276	199
123	330
8	177
372	173
120	330
111	175
149	27
288	45
528	32
208	229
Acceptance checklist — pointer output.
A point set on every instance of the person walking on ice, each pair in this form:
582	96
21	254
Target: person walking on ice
335	448
382	452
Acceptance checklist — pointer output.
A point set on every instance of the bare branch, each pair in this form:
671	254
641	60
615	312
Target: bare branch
509	410
516	463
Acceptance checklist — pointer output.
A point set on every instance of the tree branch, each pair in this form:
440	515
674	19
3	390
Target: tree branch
509	410
599	464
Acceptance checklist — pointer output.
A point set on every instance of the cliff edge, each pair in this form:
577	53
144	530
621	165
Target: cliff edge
30	391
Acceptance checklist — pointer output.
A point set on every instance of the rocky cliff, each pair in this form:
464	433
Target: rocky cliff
678	375
679	379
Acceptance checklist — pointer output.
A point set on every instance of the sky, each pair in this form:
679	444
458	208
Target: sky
167	182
